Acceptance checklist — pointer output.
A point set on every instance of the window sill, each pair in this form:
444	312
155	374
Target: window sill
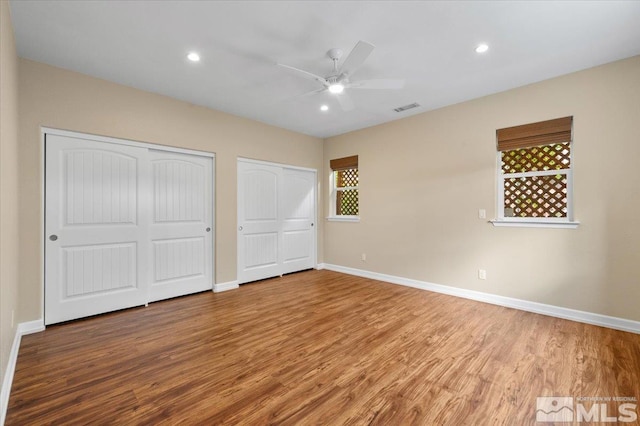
535	224
343	218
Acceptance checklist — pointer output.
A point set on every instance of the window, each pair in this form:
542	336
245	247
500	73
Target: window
535	176
344	184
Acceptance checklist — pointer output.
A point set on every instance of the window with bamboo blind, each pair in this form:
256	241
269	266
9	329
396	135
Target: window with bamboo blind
345	187
535	176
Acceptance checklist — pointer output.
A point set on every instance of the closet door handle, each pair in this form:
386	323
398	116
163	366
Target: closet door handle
53	237
240	228
208	229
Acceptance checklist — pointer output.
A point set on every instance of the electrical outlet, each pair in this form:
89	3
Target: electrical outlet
482	274
482	214
364	257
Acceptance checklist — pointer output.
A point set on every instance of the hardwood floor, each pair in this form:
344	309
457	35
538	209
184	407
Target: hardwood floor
316	347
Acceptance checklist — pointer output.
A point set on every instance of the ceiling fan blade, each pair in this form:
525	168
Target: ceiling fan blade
358	55
306	74
383	83
303	95
345	101
313	92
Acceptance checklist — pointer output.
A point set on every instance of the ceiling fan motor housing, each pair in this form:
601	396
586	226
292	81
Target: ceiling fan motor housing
335	54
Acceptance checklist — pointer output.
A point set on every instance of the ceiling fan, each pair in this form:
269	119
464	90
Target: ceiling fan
339	80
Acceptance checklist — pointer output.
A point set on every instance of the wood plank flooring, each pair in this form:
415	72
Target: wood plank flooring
316	347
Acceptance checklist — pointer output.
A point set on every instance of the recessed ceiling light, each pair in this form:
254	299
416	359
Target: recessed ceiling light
324	108
482	48
336	88
193	57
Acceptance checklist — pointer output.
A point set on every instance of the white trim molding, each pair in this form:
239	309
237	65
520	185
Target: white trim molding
31	327
494	299
128	142
8	377
230	285
271	163
535	224
23	329
343	218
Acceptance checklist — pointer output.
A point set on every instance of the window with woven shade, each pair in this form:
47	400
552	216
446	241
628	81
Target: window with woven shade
345	182
535	176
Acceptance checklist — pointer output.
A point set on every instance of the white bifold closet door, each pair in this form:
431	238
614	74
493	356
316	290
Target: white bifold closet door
124	225
276	220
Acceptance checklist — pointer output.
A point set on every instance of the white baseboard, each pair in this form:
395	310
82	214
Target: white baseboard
30	327
231	285
8	377
320	266
509	302
22	329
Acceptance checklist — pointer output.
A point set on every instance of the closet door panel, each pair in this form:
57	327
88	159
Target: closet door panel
95	227
298	220
181	229
259	223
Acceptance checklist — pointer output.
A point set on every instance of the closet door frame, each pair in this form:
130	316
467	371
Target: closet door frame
315	211
39	324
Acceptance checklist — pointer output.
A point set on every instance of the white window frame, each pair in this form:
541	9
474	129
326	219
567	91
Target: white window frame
535	222
333	216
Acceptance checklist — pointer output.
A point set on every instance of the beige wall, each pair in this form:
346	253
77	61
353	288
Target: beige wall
8	184
424	178
61	99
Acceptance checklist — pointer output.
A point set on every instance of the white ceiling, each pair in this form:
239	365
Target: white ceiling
143	44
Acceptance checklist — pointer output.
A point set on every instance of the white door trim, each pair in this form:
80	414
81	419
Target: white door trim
72	134
127	142
270	163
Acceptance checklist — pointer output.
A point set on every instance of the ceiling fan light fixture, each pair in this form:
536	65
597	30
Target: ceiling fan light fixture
336	88
482	48
193	57
324	108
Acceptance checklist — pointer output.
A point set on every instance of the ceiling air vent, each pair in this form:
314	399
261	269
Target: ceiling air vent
406	107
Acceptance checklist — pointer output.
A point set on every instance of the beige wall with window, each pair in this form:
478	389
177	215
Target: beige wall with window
423	179
61	99
8	184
